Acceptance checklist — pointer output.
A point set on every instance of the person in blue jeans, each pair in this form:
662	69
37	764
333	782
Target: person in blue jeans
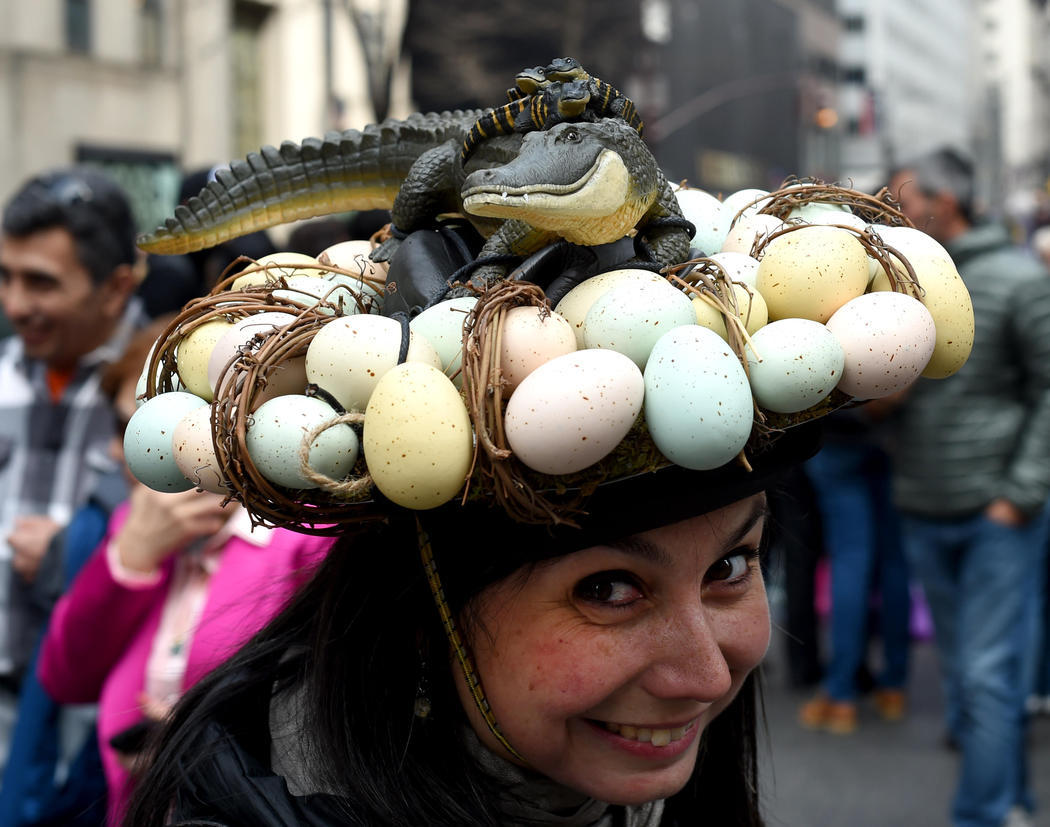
851	478
972	480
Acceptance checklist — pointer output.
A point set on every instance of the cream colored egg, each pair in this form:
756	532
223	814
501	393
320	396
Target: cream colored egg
801	363
195	451
574	410
743	235
737	267
887	339
350	355
577	302
811	272
629	318
418	441
442	326
743	203
327	295
531	336
193	353
945	295
749	303
277	266
354	257
247	334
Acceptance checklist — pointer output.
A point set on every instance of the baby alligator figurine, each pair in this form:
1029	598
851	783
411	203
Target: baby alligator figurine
589	183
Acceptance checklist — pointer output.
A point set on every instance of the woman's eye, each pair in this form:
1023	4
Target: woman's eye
615	589
733	566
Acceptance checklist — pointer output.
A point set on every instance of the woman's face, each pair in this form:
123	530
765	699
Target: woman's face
604	666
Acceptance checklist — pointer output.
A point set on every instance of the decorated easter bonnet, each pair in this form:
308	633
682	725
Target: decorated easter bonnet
550	344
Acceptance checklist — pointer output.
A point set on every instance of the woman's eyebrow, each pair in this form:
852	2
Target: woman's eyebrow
642	548
759	512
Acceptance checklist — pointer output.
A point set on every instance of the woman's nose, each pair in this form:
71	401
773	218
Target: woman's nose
687	660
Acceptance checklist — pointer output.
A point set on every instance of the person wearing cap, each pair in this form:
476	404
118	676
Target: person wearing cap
972	478
67	256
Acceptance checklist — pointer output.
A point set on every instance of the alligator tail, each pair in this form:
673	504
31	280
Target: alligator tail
349	170
498	121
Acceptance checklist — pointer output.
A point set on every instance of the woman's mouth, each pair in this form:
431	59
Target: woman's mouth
658	737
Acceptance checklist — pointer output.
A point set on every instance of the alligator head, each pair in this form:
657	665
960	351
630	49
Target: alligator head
588	182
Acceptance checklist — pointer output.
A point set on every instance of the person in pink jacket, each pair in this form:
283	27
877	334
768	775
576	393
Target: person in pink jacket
175	587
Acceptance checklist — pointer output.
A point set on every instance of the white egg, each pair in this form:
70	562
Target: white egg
276	434
795	364
148	440
744	202
276	266
738	266
328	296
707	216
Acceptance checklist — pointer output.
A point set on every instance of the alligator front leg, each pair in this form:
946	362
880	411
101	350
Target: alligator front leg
515	240
664	230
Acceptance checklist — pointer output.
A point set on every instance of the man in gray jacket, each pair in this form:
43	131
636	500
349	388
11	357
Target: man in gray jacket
972	479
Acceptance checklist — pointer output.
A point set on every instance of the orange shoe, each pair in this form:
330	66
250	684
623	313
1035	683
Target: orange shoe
837	717
890	704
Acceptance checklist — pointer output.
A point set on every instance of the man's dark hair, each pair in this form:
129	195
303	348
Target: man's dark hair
84	202
946	170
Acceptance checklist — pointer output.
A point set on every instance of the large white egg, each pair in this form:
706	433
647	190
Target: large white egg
574	410
698	405
707	216
531	336
195	451
418	441
887	338
442	326
148	440
801	363
629	318
277	431
575	304
349	356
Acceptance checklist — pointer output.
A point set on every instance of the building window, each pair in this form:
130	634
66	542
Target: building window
152	27
854	74
78	25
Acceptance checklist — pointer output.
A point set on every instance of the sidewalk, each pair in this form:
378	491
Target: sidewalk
884	775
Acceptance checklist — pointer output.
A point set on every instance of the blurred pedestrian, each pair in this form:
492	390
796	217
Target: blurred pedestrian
972	476
861	529
66	282
1041	244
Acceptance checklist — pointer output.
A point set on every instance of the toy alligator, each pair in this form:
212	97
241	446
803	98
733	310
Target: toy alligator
589	183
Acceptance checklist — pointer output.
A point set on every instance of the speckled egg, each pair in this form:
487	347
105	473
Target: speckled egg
531	336
276	433
148	440
707	216
354	257
241	336
795	364
574	410
195	451
349	356
737	267
629	318
887	339
744	203
742	236
577	302
193	353
418	441
751	309
811	272
698	405
442	326
326	294
276	266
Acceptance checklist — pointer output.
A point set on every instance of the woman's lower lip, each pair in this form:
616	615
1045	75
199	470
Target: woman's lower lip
645	749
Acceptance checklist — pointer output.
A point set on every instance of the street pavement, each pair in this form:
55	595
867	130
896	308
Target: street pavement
885	774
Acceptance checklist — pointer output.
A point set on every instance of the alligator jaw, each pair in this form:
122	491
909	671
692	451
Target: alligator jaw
601	191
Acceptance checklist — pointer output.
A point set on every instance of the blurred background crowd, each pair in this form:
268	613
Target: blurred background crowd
144	98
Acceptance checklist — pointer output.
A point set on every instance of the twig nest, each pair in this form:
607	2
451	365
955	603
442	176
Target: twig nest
698	404
276	433
575	304
574	410
244	337
793	364
811	271
350	355
148	440
887	339
418	441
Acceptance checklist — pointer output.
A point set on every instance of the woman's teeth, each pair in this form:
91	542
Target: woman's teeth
656	737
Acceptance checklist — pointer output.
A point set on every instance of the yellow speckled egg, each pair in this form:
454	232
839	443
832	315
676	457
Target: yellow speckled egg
945	295
577	302
276	266
750	303
811	272
574	410
195	452
418	442
193	354
530	338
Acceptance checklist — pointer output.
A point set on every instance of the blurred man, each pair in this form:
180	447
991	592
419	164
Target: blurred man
67	252
972	478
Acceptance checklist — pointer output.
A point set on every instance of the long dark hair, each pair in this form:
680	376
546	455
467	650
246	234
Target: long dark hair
356	642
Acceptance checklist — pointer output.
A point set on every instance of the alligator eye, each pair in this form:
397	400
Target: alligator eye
571	136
